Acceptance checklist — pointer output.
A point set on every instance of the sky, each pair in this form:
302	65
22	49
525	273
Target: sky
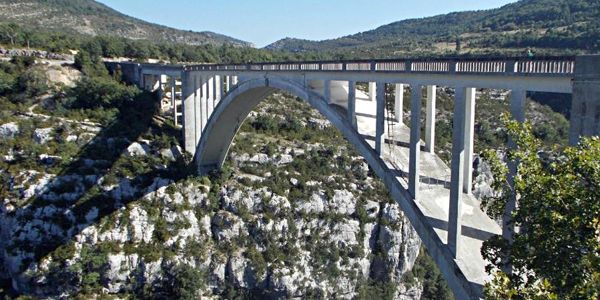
263	22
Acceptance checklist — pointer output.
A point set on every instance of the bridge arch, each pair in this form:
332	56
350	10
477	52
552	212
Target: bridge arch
234	108
232	111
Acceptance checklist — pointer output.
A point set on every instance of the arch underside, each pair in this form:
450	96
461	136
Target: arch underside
234	108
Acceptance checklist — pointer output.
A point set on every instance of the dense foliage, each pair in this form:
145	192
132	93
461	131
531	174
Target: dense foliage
556	252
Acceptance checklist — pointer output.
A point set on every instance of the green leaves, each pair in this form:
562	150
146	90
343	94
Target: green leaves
556	252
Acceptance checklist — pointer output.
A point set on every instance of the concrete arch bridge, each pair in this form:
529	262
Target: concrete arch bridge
212	101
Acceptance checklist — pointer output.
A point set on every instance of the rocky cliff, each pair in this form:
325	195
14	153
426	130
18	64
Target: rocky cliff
295	213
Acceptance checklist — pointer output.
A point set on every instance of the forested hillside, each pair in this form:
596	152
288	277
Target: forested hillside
92	18
549	26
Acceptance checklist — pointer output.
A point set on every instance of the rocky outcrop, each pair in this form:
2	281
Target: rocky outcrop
8	130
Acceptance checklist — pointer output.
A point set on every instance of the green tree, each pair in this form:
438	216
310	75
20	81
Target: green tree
556	252
33	82
188	282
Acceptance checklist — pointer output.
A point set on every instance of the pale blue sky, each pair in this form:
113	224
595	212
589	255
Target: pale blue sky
265	21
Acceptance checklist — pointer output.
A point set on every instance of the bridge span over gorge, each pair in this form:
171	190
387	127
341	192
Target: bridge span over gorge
211	102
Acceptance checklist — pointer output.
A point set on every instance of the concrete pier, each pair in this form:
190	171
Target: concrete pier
415	141
430	119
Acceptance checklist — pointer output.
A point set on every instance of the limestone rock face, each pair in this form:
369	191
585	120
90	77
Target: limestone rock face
42	135
136	149
8	130
277	226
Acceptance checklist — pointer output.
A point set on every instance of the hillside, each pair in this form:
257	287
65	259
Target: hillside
550	26
92	18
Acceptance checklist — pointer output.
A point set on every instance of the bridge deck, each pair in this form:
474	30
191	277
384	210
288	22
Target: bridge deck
435	191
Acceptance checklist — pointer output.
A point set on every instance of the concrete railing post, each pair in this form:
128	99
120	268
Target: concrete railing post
415	140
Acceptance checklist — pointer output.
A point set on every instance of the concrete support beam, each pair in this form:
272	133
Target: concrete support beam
227	83
469	139
204	102
585	108
327	91
380	118
197	107
457	173
399	102
430	119
234	80
189	126
352	103
372	91
211	96
161	94
517	110
174	101
415	141
218	90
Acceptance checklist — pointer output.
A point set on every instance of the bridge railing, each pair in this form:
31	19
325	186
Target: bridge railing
555	65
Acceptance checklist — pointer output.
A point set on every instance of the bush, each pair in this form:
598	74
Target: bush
7	83
100	92
33	82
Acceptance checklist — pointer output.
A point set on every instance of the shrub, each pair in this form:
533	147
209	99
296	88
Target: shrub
33	82
99	92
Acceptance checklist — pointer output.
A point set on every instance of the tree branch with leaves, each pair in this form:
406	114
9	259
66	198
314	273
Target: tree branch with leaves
556	251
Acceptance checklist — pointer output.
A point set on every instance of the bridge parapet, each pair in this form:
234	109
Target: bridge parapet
551	66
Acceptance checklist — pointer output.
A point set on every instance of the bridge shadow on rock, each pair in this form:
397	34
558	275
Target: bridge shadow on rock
94	185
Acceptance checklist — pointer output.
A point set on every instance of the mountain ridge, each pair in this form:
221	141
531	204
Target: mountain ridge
90	17
536	23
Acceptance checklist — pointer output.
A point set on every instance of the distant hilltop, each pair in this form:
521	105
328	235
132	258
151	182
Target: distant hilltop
92	18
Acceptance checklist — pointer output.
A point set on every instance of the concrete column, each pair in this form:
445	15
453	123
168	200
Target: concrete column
517	110
456	169
227	84
372	91
327	91
197	107
352	103
218	90
211	96
204	102
585	107
399	102
189	126
415	141
160	89
469	138
430	119
234	80
174	101
380	118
